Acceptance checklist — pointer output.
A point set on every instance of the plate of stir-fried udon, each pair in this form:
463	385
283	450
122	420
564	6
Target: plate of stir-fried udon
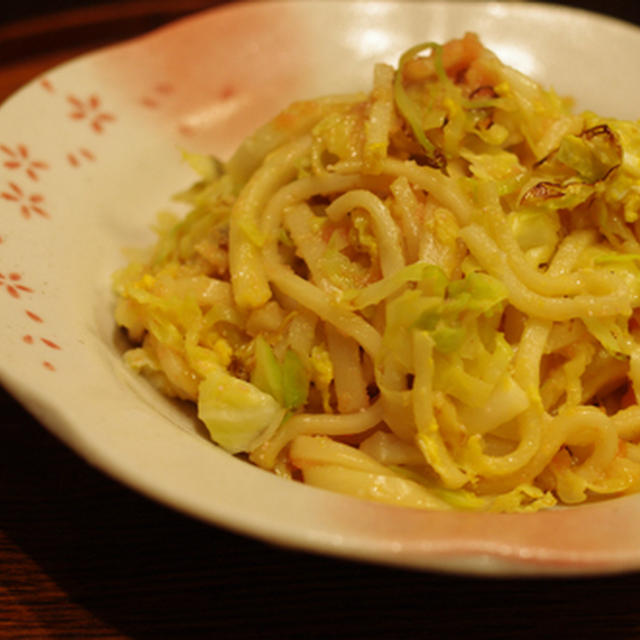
360	278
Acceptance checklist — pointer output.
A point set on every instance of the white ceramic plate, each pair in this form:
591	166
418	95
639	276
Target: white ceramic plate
90	152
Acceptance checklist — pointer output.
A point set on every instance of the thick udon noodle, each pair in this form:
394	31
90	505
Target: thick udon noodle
423	295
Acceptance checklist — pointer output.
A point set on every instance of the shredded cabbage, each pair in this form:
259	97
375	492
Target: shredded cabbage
425	295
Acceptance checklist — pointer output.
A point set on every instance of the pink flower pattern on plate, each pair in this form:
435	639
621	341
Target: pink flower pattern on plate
29	203
18	158
153	98
11	283
30	339
91	111
76	158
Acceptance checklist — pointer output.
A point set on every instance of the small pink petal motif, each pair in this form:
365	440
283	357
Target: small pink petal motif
151	100
30	339
228	91
11	283
164	88
45	83
97	124
18	158
90	110
76	158
14	193
51	344
29	203
186	131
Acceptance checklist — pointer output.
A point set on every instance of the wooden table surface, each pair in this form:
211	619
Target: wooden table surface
83	557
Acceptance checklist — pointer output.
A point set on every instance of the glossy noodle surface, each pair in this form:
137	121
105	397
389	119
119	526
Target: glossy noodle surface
424	295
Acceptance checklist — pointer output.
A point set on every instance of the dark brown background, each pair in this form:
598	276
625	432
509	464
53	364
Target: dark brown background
83	557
